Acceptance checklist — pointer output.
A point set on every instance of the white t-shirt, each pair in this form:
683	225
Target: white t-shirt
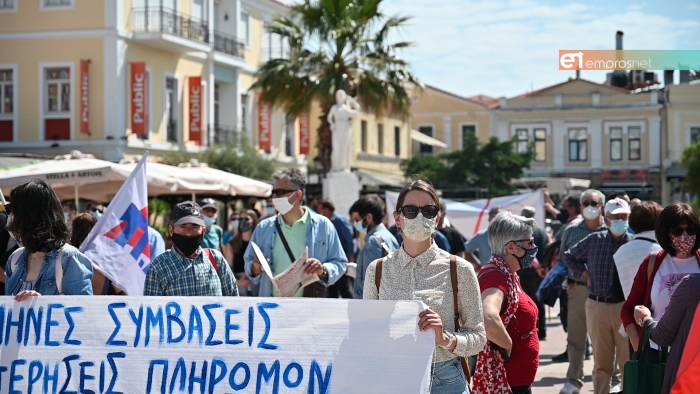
670	273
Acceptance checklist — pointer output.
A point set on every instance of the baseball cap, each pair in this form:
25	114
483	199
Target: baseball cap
528	212
209	203
187	212
617	205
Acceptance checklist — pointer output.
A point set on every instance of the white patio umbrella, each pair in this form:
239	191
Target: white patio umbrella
81	176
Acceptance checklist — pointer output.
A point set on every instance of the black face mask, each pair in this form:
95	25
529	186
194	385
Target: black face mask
187	245
245	226
563	216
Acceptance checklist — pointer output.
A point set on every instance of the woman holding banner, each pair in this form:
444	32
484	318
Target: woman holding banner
46	264
419	270
509	361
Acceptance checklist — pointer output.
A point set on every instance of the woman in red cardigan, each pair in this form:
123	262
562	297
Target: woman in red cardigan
677	232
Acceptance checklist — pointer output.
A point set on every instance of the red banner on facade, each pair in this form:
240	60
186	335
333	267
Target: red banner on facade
194	103
264	124
139	92
85	96
304	133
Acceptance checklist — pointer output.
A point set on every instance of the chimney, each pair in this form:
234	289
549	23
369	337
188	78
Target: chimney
684	77
618	40
668	77
578	74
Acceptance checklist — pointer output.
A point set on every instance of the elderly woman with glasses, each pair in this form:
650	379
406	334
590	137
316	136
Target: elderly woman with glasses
419	270
677	233
509	361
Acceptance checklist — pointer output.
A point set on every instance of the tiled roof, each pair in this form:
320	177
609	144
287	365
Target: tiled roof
469	99
571	80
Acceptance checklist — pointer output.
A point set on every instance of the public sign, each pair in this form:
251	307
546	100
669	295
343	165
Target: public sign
212	345
195	109
264	124
304	133
85	96
139	103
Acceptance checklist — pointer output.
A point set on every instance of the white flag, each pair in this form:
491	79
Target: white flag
118	244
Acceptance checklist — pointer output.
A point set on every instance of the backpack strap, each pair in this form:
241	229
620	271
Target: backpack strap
378	273
14	258
455	300
652	264
59	270
212	260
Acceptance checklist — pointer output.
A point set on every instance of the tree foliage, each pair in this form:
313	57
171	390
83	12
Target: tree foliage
337	44
241	159
691	161
490	166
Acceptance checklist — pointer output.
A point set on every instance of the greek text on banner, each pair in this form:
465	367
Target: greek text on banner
213	345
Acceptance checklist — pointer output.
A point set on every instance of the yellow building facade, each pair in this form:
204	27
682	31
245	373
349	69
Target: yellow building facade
119	77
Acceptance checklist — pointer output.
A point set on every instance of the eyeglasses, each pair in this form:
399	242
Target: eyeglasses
519	241
411	211
690	230
591	203
282	192
517	328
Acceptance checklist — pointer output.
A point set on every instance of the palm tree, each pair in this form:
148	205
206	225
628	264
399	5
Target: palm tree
337	44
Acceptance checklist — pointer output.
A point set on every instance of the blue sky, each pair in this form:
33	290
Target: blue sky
508	47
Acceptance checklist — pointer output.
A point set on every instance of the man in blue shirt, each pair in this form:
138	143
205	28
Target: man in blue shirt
344	286
301	228
367	215
213	237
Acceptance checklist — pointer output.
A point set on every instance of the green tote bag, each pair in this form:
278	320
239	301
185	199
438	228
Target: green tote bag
642	376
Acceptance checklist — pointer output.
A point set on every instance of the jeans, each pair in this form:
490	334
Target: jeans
448	378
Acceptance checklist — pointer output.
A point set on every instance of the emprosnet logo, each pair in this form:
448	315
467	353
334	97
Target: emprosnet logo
629	60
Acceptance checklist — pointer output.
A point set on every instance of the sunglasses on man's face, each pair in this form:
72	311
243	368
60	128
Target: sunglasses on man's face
690	230
281	192
411	211
590	203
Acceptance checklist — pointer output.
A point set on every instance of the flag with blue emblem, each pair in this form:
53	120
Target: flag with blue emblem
118	244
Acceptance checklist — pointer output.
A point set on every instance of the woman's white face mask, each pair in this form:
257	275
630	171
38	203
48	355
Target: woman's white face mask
418	229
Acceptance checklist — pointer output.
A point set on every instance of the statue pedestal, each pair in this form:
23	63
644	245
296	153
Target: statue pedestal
343	188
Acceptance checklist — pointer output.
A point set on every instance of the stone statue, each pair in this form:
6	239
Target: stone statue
340	118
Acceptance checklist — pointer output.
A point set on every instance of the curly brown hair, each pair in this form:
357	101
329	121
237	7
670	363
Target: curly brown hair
37	221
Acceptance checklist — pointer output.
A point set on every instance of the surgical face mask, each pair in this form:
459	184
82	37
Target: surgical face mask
418	229
234	224
282	204
682	244
591	213
529	256
209	221
66	216
96	214
359	227
619	227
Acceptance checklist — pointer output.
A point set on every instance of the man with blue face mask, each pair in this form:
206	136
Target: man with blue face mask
214	234
368	215
592	258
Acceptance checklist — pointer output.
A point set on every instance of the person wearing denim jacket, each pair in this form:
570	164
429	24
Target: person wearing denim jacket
38	225
77	273
325	250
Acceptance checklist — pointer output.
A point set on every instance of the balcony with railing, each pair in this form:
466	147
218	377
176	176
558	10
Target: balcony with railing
228	44
276	52
167	22
224	135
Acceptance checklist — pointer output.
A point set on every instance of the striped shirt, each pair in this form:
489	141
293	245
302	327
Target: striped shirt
573	235
172	274
595	255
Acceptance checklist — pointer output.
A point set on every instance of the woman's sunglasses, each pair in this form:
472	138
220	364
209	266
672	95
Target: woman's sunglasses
690	230
411	211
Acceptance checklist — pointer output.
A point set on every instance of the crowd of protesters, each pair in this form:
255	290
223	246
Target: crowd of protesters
616	266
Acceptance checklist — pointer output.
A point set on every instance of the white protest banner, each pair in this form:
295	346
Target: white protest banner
214	345
473	216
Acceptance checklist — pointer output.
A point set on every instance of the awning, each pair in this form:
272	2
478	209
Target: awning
367	179
676	173
424	139
554	185
628	187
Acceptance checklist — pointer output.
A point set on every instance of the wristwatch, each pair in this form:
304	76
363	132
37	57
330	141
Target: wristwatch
325	271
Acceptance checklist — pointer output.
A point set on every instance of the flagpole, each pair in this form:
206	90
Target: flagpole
77	199
2	199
